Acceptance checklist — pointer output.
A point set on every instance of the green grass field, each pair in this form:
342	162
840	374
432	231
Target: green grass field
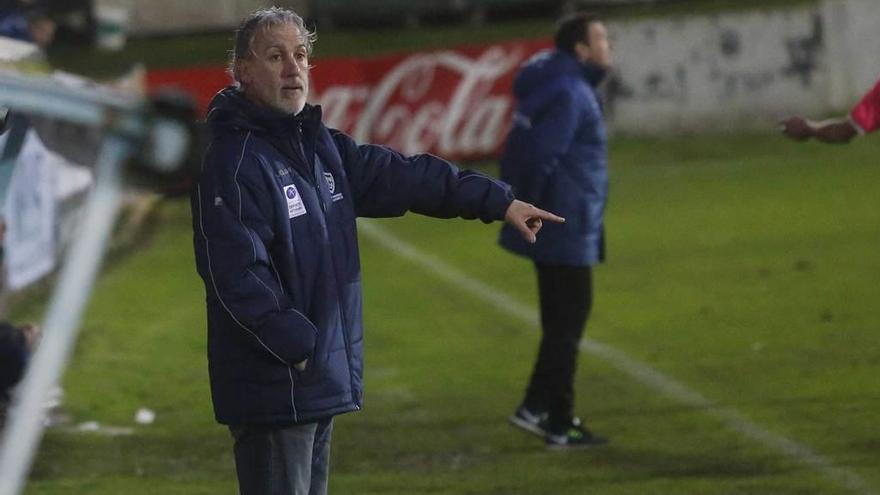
742	270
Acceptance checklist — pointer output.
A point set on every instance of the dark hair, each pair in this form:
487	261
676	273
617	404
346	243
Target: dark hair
573	29
265	19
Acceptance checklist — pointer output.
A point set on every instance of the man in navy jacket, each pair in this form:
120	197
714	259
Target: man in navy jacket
276	245
555	157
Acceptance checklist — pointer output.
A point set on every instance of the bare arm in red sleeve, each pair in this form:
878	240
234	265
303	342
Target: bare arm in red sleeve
864	118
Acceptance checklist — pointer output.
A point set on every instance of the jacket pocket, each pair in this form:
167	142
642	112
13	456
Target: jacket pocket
307	374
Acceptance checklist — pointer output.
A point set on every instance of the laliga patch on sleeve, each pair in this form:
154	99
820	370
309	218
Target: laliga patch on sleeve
295	206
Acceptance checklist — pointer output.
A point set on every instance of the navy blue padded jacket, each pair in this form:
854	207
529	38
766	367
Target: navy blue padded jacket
276	245
556	158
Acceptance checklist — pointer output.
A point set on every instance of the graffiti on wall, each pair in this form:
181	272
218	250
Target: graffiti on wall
804	53
705	63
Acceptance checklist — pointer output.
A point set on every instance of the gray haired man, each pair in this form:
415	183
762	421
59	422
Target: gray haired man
275	240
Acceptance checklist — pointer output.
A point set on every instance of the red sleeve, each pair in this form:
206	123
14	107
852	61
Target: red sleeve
866	115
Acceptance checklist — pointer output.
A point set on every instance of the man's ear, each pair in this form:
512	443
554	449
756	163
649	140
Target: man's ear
242	68
582	51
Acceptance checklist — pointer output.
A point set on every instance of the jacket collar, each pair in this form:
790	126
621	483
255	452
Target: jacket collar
230	109
593	74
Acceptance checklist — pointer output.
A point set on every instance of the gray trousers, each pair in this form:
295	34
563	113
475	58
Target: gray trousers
293	460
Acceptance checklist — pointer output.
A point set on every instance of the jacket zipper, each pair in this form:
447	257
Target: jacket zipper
307	176
339	293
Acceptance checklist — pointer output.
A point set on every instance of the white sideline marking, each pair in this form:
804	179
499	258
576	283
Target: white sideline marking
640	372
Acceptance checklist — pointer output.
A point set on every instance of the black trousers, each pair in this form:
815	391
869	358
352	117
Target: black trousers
566	298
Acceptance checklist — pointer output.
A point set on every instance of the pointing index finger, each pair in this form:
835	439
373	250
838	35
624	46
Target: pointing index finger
546	215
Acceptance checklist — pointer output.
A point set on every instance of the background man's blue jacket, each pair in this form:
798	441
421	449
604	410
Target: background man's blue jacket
555	157
276	245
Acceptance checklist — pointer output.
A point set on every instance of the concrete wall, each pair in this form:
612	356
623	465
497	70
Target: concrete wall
853	48
742	70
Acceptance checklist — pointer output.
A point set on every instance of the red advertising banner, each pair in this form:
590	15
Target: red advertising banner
455	103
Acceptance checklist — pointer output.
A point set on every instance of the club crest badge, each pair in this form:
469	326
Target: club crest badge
331	183
331	186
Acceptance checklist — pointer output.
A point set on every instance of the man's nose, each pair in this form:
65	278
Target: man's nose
291	67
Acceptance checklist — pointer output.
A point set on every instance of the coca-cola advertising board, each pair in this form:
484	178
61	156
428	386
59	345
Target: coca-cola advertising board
455	103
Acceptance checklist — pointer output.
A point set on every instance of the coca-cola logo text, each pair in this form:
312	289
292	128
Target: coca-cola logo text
453	103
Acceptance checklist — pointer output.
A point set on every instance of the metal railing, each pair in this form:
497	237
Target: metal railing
130	124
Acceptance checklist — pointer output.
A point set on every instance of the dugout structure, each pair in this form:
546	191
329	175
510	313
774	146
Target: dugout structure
130	126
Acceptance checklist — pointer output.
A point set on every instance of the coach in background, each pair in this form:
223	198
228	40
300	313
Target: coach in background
862	119
276	245
555	157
